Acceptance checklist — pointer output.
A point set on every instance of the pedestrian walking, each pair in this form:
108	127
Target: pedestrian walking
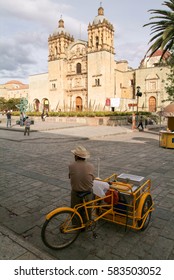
42	116
141	123
81	174
8	114
146	122
27	126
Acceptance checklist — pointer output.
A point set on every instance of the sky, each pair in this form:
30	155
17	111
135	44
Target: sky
26	24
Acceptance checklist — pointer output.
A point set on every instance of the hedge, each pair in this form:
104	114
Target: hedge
82	114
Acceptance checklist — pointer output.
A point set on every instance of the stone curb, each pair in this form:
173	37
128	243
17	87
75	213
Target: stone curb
24	244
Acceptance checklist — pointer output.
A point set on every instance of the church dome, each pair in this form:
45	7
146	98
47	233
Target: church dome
153	60
60	29
100	17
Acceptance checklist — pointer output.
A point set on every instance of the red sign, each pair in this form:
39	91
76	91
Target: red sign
108	102
132	104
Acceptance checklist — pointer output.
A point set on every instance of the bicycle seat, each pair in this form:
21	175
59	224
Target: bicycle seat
83	194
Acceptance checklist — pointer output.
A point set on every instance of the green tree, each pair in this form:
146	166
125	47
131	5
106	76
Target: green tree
11	103
170	81
2	103
162	28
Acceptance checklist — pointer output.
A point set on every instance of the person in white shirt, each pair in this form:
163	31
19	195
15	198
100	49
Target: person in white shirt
27	126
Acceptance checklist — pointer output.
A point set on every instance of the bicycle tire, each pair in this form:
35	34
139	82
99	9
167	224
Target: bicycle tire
52	233
147	204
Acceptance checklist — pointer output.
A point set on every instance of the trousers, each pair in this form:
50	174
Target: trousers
27	130
77	200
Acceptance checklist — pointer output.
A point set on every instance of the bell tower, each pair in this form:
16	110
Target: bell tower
100	61
58	43
100	34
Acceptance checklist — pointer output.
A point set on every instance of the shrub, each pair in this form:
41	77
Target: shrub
85	114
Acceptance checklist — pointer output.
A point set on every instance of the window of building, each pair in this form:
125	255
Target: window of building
97	41
152	104
132	82
97	82
53	86
78	68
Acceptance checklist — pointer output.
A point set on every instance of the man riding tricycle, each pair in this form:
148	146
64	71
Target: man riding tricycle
123	199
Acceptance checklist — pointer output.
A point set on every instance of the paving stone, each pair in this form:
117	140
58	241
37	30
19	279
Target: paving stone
32	187
27	256
162	248
10	249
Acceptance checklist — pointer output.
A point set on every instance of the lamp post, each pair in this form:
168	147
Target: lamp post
139	94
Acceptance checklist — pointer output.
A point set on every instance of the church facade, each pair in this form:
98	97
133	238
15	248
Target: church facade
84	75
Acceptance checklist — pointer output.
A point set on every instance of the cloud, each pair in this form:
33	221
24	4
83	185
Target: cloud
32	10
21	54
133	52
25	30
13	54
27	24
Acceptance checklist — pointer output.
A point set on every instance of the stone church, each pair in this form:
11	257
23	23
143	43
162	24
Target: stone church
84	75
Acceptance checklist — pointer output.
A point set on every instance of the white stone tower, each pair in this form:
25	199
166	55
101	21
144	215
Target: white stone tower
100	61
58	44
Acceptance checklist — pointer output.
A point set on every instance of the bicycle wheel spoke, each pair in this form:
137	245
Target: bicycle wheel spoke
60	230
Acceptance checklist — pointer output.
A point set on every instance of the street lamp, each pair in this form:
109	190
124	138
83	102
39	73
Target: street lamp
139	94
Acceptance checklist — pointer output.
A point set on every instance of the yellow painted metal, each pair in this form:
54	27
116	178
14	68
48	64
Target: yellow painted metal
166	139
129	212
61	209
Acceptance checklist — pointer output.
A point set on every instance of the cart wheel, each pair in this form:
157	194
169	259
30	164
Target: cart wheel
147	204
53	234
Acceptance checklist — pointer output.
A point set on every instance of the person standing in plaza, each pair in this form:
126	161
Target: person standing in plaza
42	116
81	174
141	123
27	126
8	114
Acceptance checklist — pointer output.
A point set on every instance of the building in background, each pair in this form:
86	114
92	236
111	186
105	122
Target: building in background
14	89
84	75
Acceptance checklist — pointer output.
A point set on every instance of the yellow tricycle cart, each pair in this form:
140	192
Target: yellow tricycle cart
133	201
125	200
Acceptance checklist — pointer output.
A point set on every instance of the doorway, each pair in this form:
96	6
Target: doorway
152	104
79	106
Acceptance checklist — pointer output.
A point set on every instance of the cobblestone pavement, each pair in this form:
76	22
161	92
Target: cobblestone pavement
34	180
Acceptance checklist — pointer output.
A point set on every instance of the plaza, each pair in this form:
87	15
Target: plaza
34	180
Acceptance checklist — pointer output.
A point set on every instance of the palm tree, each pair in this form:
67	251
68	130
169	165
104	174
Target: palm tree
162	29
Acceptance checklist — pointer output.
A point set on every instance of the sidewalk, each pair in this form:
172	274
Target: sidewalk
38	126
76	129
16	248
68	129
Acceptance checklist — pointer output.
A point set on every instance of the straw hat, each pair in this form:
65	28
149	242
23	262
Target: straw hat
81	152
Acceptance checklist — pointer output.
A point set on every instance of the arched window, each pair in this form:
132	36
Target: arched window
45	104
36	104
78	68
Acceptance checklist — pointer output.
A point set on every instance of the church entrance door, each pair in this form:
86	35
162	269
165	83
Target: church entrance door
79	106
